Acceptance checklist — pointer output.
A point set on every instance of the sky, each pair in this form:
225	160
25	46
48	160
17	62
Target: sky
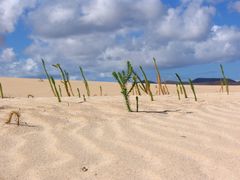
190	37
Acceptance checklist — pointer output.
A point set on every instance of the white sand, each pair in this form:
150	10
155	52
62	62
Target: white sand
168	139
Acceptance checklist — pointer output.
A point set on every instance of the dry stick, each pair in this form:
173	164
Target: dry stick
49	79
225	81
1	91
165	85
55	89
136	103
17	114
85	81
177	87
164	90
181	83
30	95
64	79
193	90
160	89
79	94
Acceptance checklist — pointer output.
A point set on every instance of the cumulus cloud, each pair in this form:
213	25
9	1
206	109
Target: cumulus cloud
235	6
10	10
12	66
64	18
189	21
7	55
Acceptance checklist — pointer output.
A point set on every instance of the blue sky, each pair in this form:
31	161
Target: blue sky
191	37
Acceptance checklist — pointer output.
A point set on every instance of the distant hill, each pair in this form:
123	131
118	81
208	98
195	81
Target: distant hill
212	81
201	81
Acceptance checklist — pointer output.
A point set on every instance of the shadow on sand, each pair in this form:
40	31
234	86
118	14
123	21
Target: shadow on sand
160	112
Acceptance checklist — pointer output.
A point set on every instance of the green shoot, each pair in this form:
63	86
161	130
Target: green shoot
177	87
68	82
1	91
181	84
134	78
193	90
225	81
55	89
122	79
100	90
64	78
160	89
85	81
49	79
79	94
147	87
136	103
60	90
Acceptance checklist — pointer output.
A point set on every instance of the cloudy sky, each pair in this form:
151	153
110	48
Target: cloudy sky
191	37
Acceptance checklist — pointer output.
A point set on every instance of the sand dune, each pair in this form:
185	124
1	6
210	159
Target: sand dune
99	139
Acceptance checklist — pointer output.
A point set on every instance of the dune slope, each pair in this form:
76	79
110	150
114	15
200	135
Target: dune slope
99	139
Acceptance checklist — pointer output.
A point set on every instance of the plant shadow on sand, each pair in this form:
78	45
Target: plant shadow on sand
24	124
161	112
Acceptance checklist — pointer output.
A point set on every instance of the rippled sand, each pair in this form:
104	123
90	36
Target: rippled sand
99	139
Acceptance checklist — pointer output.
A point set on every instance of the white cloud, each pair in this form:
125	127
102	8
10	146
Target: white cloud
235	6
11	66
10	10
85	17
7	55
187	22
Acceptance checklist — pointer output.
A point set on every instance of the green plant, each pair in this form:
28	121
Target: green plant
181	84
55	88
60	90
160	88
221	83
64	77
79	94
181	89
84	98
100	90
85	81
147	83
48	77
1	91
178	93
136	103
122	79
134	78
193	89
68	82
225	80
